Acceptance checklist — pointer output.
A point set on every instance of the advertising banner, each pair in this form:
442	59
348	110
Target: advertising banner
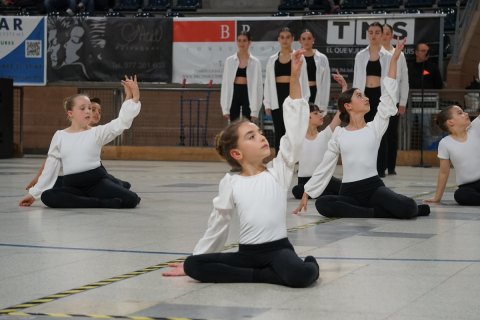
106	49
22	50
201	46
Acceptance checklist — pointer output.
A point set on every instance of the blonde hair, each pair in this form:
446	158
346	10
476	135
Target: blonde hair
69	102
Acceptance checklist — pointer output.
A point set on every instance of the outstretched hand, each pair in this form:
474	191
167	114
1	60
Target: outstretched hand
130	85
399	47
340	80
302	205
175	271
297	62
26	201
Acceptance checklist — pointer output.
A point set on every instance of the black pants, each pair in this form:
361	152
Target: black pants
333	187
272	262
468	194
125	184
374	95
90	189
240	99
368	198
387	153
313	94
283	90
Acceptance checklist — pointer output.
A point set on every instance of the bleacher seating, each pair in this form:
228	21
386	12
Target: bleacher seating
157	5
447	3
187	5
291	5
128	5
319	5
383	4
355	5
450	18
419	3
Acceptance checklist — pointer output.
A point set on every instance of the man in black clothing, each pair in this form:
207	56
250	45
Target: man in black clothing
432	79
426	71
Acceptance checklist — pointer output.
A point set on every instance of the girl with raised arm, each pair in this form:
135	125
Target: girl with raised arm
362	193
258	195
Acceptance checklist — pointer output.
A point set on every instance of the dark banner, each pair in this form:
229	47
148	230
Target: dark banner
105	49
341	37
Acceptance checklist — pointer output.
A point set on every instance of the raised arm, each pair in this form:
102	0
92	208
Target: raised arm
129	110
443	174
340	80
392	70
295	89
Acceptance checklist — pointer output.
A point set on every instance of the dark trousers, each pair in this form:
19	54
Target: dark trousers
283	90
468	194
374	95
273	262
333	187
313	94
89	189
368	198
240	99
387	153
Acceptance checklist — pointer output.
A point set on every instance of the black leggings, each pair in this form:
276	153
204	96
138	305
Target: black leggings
90	189
333	187
374	95
272	262
283	90
369	198
125	184
240	99
468	194
387	153
313	94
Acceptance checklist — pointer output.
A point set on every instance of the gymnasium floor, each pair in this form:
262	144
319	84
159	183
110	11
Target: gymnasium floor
107	263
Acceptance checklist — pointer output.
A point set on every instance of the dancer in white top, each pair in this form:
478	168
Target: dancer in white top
95	105
318	71
371	66
77	150
362	194
241	82
258	195
461	148
277	83
315	145
390	146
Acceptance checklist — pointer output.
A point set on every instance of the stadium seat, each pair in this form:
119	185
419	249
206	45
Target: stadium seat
447	3
127	5
355	4
291	5
387	4
419	3
157	5
450	20
187	5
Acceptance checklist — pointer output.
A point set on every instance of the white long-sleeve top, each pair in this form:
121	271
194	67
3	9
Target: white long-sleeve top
260	201
360	67
254	84
463	155
358	148
402	76
323	79
313	152
270	99
80	151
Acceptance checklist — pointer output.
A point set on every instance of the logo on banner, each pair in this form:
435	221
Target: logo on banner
355	32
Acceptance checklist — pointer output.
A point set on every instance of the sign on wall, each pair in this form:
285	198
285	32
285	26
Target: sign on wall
201	46
22	50
106	49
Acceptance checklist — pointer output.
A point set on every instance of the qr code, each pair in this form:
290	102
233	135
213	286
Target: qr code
33	48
